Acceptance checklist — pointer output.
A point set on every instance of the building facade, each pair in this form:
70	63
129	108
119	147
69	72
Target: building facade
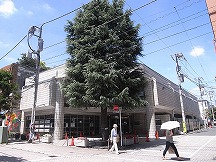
204	106
54	116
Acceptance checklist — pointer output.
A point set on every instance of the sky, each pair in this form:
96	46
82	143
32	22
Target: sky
168	27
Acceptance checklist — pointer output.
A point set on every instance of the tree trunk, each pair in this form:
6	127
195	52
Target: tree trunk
104	128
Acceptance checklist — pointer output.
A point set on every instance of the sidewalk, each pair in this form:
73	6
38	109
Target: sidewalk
195	146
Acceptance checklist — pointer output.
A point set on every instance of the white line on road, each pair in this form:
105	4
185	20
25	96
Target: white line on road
202	146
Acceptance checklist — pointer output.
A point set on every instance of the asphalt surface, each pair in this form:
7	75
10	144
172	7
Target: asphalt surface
196	146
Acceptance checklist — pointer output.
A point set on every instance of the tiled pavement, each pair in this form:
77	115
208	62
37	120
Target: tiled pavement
197	146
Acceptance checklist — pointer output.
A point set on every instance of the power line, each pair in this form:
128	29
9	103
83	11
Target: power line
184	31
13	47
62	15
192	44
149	52
55	56
177	43
188	69
57	61
159	29
151	29
170	13
173	24
54	44
70	13
123	15
41	26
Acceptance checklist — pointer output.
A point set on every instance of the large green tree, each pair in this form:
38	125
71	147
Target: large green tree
103	71
8	90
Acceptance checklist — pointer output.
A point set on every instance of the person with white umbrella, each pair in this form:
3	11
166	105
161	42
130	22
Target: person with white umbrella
169	137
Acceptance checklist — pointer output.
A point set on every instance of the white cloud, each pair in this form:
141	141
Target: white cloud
47	7
29	13
7	8
4	45
197	51
10	59
195	91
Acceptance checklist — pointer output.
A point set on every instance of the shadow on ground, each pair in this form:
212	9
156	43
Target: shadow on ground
11	159
138	146
182	159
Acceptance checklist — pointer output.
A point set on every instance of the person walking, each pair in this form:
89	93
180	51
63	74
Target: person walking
170	143
31	133
114	139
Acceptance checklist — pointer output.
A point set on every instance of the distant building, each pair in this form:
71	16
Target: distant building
204	107
13	69
19	74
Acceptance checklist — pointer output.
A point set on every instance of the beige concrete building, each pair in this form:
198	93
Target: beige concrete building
54	116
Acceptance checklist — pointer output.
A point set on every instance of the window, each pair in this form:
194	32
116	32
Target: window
158	122
81	125
43	123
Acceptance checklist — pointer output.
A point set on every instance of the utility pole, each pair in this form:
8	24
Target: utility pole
31	33
181	79
201	86
211	93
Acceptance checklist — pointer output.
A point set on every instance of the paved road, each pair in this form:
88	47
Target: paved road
198	146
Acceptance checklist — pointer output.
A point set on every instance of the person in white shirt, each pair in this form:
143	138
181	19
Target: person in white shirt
114	139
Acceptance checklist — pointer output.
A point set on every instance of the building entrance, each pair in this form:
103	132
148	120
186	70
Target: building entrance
126	120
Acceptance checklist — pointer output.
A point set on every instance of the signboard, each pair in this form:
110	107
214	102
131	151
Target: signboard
115	109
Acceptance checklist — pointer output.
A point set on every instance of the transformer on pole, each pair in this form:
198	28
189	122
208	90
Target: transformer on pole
31	32
181	79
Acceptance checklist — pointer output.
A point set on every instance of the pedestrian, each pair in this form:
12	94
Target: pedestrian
114	139
170	143
31	133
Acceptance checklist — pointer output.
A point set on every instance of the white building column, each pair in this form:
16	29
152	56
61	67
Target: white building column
22	123
150	112
59	114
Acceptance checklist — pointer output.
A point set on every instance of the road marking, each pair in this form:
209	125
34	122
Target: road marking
202	146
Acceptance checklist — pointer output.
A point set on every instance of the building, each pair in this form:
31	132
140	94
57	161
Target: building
13	69
19	74
204	108
54	116
212	15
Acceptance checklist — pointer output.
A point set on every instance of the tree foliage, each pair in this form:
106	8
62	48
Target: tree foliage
210	112
30	63
8	90
103	71
103	44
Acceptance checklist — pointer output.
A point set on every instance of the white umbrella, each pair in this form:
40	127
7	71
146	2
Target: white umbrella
170	125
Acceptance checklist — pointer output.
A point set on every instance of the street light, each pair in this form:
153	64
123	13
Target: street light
31	33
